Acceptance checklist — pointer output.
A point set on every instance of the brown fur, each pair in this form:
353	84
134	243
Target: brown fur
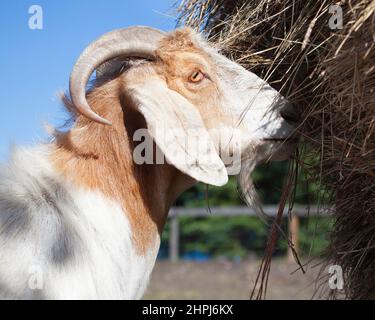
99	157
179	57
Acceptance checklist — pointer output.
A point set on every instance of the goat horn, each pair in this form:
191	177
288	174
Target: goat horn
134	41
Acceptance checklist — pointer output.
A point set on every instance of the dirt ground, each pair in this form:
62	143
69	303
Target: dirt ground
228	280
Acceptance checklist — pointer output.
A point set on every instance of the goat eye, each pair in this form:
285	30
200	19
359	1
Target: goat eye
196	76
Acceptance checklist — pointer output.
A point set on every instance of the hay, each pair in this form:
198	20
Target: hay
330	77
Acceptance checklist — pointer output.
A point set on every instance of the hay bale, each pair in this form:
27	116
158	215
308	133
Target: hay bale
330	76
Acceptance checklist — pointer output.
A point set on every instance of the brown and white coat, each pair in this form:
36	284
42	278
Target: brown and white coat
79	218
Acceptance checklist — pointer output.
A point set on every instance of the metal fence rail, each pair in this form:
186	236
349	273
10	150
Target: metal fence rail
271	211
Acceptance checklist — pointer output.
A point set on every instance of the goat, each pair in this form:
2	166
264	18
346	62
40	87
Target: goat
79	219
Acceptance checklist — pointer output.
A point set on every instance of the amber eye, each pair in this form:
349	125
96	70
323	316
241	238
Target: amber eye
196	76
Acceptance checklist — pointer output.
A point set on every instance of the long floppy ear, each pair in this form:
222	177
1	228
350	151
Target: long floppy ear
178	130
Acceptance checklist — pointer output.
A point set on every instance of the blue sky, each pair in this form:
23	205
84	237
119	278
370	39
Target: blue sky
35	64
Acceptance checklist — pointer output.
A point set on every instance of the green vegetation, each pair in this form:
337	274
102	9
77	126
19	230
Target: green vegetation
241	236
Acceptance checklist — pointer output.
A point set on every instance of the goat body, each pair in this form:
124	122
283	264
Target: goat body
79	217
59	241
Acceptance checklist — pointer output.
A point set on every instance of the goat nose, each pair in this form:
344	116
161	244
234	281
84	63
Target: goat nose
289	114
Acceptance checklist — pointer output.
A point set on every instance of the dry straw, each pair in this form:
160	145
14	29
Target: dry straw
330	76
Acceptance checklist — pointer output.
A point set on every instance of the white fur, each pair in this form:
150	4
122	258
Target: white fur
80	250
251	106
58	241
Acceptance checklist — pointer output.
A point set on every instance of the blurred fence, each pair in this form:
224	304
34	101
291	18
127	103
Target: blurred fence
271	211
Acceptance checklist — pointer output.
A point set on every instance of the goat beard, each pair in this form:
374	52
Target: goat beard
254	155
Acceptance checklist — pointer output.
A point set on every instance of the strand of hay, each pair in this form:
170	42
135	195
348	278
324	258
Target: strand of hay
330	76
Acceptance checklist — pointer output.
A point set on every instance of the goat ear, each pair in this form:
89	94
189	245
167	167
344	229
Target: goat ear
178	130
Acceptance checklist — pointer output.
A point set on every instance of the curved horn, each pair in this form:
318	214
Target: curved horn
134	41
